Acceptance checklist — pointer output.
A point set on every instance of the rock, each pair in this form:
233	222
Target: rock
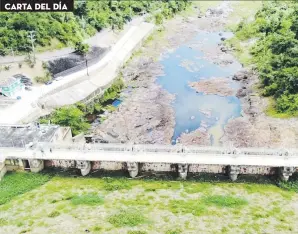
223	39
241	75
223	49
241	93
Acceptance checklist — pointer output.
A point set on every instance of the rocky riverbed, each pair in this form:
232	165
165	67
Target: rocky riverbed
147	116
216	86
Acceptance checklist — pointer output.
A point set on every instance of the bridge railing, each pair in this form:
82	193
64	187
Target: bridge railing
179	149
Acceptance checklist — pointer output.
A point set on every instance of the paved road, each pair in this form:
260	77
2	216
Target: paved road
28	104
104	38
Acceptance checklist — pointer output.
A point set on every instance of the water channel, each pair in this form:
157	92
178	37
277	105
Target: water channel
191	107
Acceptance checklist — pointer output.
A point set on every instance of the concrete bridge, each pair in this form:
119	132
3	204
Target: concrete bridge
140	158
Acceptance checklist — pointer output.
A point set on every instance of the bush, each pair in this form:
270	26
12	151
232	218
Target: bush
82	48
42	79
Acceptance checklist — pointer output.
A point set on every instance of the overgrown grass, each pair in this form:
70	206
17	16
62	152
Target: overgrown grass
111	184
54	214
187	207
15	184
90	199
224	201
136	232
165	201
129	217
173	231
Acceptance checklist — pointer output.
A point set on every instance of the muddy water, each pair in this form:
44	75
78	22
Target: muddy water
197	110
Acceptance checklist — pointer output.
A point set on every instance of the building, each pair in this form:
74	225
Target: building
21	135
11	87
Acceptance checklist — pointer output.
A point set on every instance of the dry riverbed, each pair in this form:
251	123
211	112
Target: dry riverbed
146	114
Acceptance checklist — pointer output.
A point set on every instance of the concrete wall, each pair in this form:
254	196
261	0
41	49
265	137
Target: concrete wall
164	167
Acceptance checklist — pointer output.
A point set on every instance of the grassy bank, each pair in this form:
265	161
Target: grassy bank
122	205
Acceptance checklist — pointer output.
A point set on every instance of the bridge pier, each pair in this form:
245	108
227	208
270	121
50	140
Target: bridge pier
36	165
182	171
284	173
3	168
233	171
133	169
84	166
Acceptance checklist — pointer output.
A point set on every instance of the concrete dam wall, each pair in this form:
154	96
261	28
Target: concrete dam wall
137	159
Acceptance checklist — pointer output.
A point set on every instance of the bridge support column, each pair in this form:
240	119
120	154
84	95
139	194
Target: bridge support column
36	165
182	171
234	171
285	172
3	170
133	169
84	166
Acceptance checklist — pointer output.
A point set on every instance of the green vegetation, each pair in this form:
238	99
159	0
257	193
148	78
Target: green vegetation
87	199
55	30
81	48
54	214
15	184
74	116
224	201
187	207
69	116
275	53
137	232
139	206
130	217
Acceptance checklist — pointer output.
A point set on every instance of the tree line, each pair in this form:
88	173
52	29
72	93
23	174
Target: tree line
275	52
72	27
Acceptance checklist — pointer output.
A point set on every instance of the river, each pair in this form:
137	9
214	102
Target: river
198	110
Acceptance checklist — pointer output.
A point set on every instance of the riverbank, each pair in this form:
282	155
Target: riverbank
254	128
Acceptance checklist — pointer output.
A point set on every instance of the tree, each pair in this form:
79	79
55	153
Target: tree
82	48
71	117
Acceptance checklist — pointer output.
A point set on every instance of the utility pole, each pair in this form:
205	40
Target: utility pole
31	36
87	65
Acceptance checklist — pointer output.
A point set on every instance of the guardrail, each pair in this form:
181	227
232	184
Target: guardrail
180	149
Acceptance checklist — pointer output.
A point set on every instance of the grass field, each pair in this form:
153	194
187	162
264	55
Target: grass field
64	204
